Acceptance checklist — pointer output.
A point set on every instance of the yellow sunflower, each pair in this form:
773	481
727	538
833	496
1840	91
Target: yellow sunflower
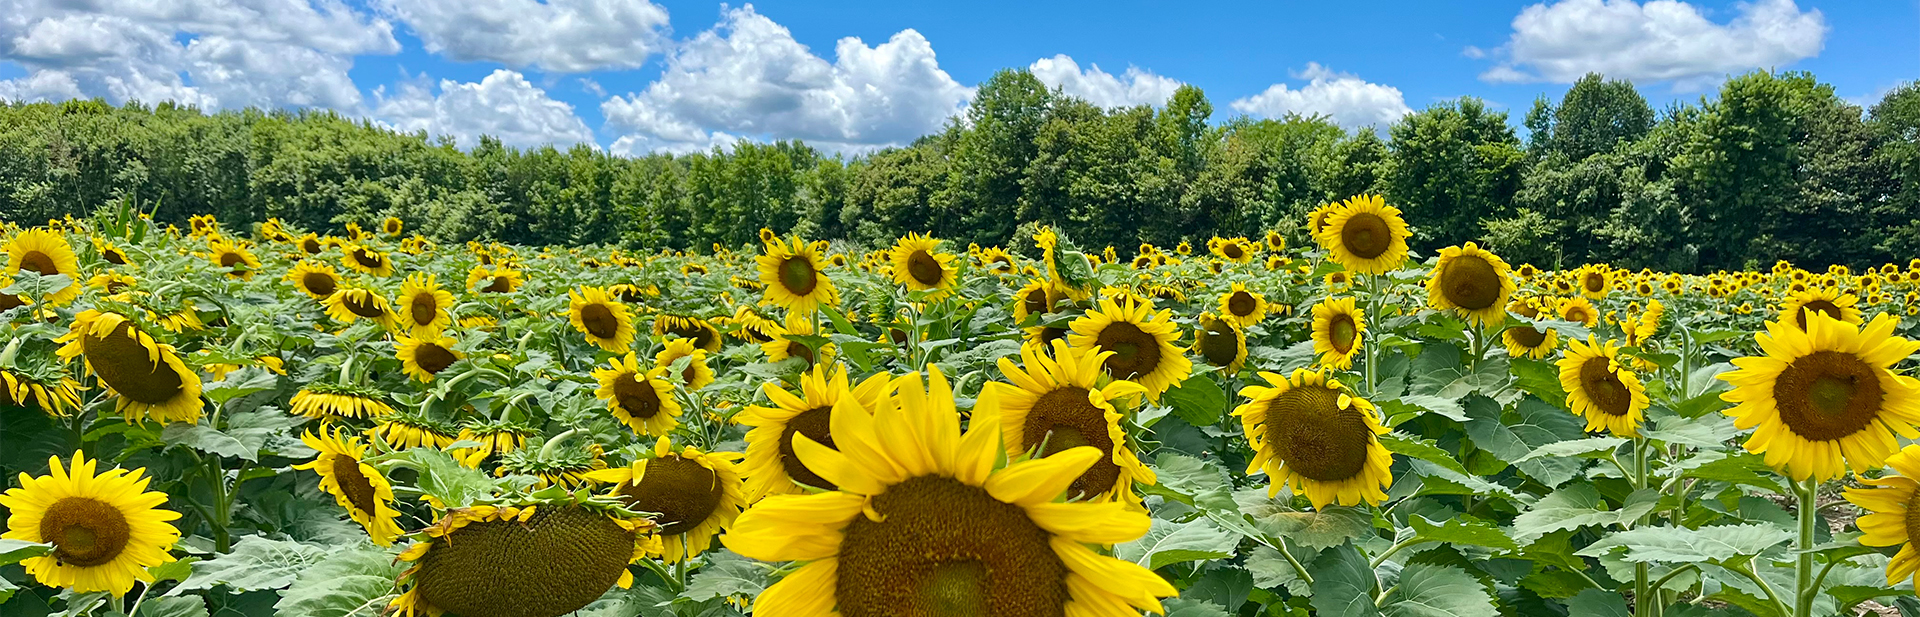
359	488
233	255
643	401
1595	281
1472	281
494	279
694	495
329	401
607	322
310	244
1365	234
402	431
1827	300
1893	517
1823	399
148	377
422	358
1038	297
1339	330
106	529
697	374
1316	435
751	326
703	334
1338	281
392	226
1220	343
54	395
1141	340
1243	308
1602	389
927	522
794	276
522	560
1528	341
772	467
111	253
1235	250
1275	240
424	308
1063	402
782	347
1578	310
997	260
348	304
48	254
365	259
501	437
919	265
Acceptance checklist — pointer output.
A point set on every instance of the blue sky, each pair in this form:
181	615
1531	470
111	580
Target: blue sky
636	76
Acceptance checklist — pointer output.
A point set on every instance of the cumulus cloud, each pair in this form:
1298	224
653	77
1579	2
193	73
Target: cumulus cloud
1661	40
1134	87
566	36
504	105
749	77
1343	98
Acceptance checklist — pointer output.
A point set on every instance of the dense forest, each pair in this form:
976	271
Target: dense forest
1772	166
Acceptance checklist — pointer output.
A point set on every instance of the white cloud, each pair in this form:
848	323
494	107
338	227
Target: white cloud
567	36
1134	87
1661	40
504	105
1345	99
748	76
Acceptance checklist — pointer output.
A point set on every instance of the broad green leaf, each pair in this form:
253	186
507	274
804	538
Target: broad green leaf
1737	468
1181	607
455	485
242	382
1512	435
1715	544
1192	481
1406	407
1590	447
1270	570
256	563
1168	543
209	440
350	583
1437	591
1423	449
172	606
1709	431
1597	603
726	574
1462	530
12	551
1328	527
1578	505
1343	584
1198	400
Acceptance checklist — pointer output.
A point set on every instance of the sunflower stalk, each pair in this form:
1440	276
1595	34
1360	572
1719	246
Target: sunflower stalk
1805	587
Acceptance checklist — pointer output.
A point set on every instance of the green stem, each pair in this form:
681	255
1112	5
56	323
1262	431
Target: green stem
1371	337
548	448
1298	569
1808	492
1772	596
1643	600
1397	547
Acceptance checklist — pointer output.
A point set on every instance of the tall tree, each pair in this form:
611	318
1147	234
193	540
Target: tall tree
1454	165
1596	114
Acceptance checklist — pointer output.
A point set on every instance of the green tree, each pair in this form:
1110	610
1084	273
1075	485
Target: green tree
1455	164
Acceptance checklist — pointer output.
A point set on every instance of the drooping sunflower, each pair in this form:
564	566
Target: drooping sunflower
925	522
350	304
365	259
1339	330
422	358
1528	341
1220	343
106	529
392	226
1893	517
224	253
494	279
695	495
919	265
1474	282
1141	340
111	253
48	254
697	374
642	400
1827	300
360	489
783	346
1365	234
1063	402
772	468
1242	307
1824	399
1578	310
607	322
751	326
526	560
1316	435
424	308
55	395
406	431
495	437
1602	389
703	334
148	377
794	276
564	467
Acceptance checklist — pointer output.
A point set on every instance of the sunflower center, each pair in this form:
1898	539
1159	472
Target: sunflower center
599	320
310	246
1218	343
318	283
1575	313
690	329
1342	332
1594	282
125	364
353	484
366	258
925	269
1314	437
558	561
797	349
1529	337
797	275
1366	235
85	531
230	259
499	285
1828	395
637	396
1471	283
114	257
39	262
681	491
1035	302
948	548
1232	251
362	304
816	424
1064	419
1912	517
433	358
1135	352
10	302
1604	387
1816	306
1241	304
424	309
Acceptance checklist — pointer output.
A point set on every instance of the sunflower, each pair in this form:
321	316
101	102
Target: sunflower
1316	435
751	326
1595	281
1602	388
1063	402
794	276
1578	310
607	322
106	529
566	468
422	358
329	401
693	269
1641	328
694	495
1472	281
494	279
365	259
392	226
1220	343
924	522
424	308
1141	341
111	253
48	254
1827	300
53	395
148	377
111	282
772	467
1275	241
703	334
642	400
1243	308
1235	250
1365	234
203	224
1824	395
9	301
234	256
1338	332
526	560
359	488
405	431
783	347
1528	341
310	244
1038	297
1338	281
997	260
1892	508
497	437
919	265
350	304
697	374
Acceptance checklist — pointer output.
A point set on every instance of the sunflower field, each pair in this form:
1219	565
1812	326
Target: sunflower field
356	422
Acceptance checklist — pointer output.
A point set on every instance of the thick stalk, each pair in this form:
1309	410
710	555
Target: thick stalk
1371	337
1643	597
1803	570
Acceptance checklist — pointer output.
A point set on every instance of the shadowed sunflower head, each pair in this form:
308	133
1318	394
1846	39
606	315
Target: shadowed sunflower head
528	560
351	304
366	259
693	495
1473	282
359	488
702	333
1339	331
423	358
494	279
1312	433
406	431
1220	343
48	389
606	322
794	275
641	399
332	402
150	379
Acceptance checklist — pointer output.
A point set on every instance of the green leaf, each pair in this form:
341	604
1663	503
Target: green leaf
1192	481
1343	584
1181	607
1737	468
1423	449
1330	526
1168	543
1270	570
455	485
176	606
1715	544
1437	591
1539	378
1462	530
12	551
1578	505
1597	603
1711	431
1590	447
1198	400
355	582
209	440
242	382
1407	407
256	563
726	574
1512	435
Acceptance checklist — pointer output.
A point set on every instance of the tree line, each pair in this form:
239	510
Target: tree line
1772	166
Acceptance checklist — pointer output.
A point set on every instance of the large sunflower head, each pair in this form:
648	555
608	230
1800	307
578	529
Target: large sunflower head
607	322
694	495
1314	434
1141	340
1892	503
527	560
641	399
424	308
366	259
331	402
1594	281
1236	250
350	304
232	256
494	279
795	276
772	466
1339	330
1823	399
106	529
1602	388
47	254
150	379
1472	281
1365	234
1829	301
359	488
1241	306
700	331
919	265
422	358
1065	401
1220	343
927	522
697	374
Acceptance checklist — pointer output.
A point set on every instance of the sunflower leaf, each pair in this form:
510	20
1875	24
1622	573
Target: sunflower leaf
256	563
1423	449
1590	447
1270	570
1578	505
1330	526
351	582
12	551
1437	591
1193	482
1716	544
1462	530
1597	603
1181	607
1168	543
726	574
1198	400
1343	583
